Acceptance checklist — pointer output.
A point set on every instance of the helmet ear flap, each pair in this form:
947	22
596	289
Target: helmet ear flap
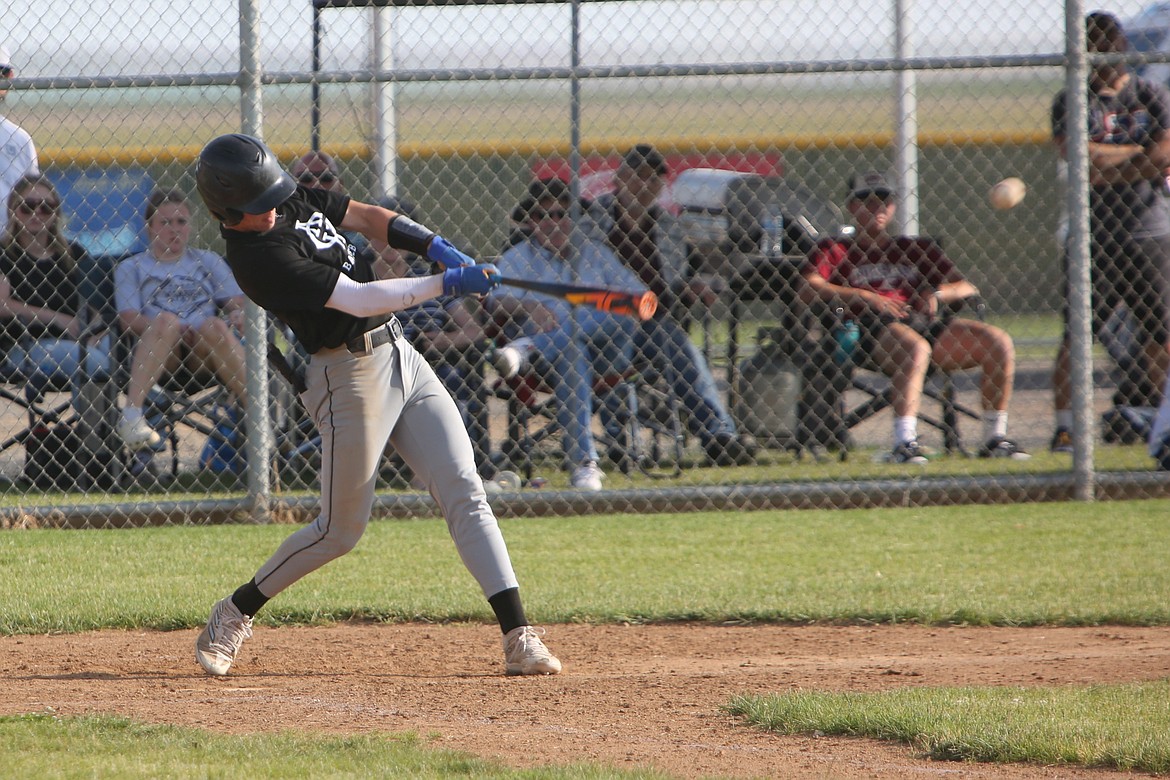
231	217
224	215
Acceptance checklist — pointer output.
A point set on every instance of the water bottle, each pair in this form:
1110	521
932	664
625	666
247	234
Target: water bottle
846	337
773	242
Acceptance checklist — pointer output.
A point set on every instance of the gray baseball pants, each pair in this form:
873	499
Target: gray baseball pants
358	402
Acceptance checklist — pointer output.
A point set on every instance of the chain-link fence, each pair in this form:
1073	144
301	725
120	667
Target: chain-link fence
756	165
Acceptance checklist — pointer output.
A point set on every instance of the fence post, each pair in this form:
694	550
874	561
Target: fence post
1079	302
259	439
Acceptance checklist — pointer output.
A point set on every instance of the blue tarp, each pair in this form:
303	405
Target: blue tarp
103	208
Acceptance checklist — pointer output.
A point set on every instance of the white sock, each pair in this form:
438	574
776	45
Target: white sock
905	429
1064	419
131	413
994	425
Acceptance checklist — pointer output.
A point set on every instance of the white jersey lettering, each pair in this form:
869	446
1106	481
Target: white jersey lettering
321	232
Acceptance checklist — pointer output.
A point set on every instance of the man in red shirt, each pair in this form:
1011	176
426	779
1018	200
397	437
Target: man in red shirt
895	288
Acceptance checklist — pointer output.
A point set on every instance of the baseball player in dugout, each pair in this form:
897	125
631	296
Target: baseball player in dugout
365	384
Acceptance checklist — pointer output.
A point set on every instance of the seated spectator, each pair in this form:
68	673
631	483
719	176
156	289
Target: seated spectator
895	288
169	298
40	302
640	234
602	342
448	332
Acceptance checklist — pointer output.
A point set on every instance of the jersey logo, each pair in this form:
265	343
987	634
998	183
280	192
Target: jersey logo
321	232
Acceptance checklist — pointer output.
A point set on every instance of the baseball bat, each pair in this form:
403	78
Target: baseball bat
632	304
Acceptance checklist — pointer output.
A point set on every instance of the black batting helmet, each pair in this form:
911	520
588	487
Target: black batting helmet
237	174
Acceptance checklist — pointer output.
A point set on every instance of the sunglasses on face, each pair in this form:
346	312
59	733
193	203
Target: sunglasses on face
43	207
308	177
6	71
540	214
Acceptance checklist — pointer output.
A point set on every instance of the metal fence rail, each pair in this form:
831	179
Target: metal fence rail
445	105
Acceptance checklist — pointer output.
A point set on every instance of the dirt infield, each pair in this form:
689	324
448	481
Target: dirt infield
630	696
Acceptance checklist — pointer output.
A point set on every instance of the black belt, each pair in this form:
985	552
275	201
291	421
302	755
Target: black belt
372	339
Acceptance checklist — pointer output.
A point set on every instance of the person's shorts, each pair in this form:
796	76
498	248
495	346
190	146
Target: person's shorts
871	328
1129	272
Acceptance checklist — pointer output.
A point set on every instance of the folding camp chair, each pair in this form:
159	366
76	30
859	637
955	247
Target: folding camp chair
645	431
69	419
940	386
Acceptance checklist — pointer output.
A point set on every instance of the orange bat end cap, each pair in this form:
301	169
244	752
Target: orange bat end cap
647	305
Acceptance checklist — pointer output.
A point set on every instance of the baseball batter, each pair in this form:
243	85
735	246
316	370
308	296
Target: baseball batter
365	383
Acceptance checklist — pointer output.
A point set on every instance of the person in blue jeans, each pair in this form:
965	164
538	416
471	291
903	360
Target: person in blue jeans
572	343
40	282
639	231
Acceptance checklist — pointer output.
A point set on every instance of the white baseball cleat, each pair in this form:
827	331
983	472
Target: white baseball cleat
220	640
524	653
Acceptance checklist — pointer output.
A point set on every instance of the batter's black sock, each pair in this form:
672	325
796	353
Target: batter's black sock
248	598
509	611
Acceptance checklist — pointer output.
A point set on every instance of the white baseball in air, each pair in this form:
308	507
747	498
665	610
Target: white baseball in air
1007	194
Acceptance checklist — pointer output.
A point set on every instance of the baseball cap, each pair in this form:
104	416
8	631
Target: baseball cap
522	209
862	185
543	189
1104	34
645	154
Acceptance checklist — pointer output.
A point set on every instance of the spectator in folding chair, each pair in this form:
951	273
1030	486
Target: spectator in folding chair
601	342
18	154
640	234
40	276
169	298
448	331
896	288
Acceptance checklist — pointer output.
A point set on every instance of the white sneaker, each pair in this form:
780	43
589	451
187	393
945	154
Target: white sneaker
587	476
510	359
219	642
137	433
524	653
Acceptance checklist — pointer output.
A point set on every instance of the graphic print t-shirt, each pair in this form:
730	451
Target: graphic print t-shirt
292	269
192	287
896	270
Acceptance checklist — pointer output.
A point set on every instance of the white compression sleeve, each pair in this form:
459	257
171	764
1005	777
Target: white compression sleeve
368	299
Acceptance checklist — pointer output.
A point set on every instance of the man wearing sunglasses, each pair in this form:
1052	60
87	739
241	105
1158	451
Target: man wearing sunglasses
18	155
319	171
567	356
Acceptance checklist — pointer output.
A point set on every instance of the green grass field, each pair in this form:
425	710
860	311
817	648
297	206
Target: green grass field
1022	565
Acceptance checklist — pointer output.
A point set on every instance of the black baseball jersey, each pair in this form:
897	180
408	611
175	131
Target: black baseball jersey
292	269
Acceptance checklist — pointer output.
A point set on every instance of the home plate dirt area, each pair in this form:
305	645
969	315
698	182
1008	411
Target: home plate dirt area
630	696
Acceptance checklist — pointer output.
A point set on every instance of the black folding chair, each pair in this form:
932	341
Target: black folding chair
865	378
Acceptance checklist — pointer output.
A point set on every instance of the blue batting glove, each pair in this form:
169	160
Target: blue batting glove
471	280
444	253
